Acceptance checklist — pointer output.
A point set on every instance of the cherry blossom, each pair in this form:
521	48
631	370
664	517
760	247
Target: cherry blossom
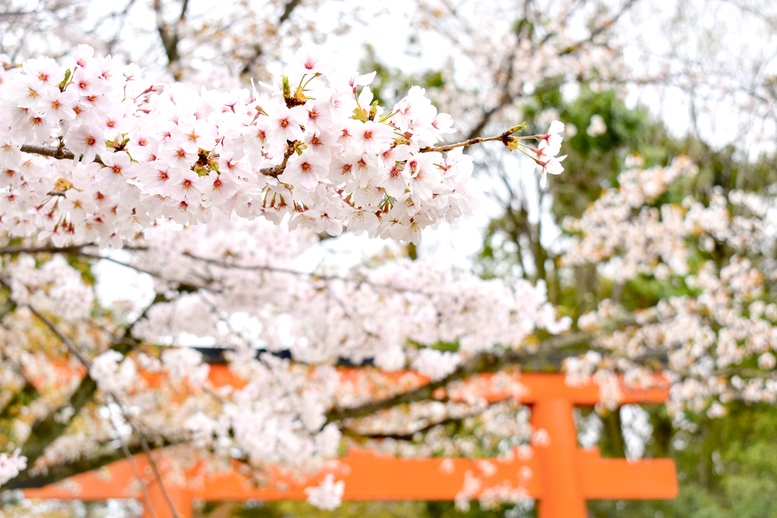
315	148
10	466
327	495
705	337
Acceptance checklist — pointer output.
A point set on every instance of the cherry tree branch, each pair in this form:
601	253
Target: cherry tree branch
133	465
60	153
409	436
258	49
19	401
81	357
277	170
479	364
58	472
599	29
42	249
189	286
505	138
298	273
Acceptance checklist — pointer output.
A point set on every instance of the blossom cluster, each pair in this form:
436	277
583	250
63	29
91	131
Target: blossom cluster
10	466
317	148
546	153
721	321
91	152
327	495
625	235
276	419
262	300
52	286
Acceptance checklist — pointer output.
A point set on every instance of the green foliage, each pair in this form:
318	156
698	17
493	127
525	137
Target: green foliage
593	161
726	467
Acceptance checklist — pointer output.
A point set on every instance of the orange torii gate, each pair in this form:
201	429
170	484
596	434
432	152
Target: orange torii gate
563	475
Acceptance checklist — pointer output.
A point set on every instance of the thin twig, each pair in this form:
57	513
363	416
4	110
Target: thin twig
62	153
410	435
151	461
505	138
186	285
131	459
81	357
298	273
479	364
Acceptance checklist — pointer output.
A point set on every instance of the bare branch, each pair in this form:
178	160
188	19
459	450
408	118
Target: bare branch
81	357
599	30
133	465
47	429
409	436
298	273
288	9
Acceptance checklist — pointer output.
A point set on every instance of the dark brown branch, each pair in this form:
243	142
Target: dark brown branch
63	153
20	399
168	37
59	472
287	10
479	364
42	249
47	429
508	96
134	466
277	170
408	436
180	285
184	7
54	152
147	451
81	357
297	273
60	153
505	138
